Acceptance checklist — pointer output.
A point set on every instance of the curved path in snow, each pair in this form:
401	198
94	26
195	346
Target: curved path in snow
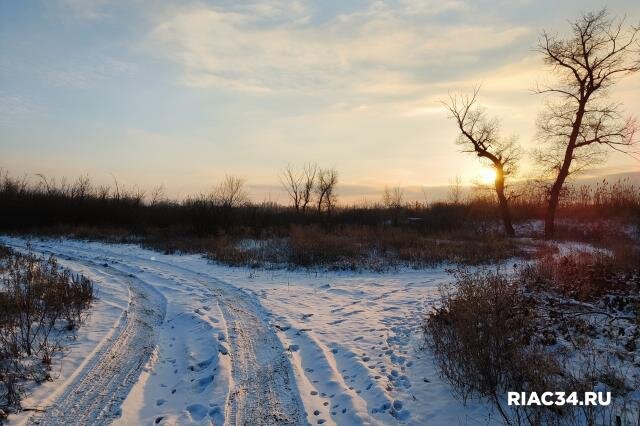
260	389
175	340
95	395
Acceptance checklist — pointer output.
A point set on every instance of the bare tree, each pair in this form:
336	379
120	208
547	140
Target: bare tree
230	192
481	135
579	120
455	190
293	183
115	181
310	172
393	198
158	195
103	192
81	187
325	189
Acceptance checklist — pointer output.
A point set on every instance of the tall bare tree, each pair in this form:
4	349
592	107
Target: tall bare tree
293	183
230	192
580	121
325	189
310	171
480	135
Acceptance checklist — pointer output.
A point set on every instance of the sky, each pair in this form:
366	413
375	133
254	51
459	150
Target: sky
182	93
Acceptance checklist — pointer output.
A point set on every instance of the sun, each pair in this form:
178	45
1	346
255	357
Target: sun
487	176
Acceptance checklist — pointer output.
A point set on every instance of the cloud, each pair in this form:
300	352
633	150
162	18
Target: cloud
85	9
13	105
380	50
84	72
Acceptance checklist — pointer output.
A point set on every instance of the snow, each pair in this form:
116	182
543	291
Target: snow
239	344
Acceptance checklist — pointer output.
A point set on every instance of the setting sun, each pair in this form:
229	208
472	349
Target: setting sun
487	176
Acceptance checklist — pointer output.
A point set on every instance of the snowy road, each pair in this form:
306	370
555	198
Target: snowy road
116	367
179	340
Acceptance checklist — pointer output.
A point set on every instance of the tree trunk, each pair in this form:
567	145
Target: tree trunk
549	218
554	196
554	200
503	203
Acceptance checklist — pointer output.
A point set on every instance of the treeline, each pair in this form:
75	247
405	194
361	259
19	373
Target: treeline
46	206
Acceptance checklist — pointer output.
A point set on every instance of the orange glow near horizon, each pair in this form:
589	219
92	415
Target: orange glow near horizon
487	176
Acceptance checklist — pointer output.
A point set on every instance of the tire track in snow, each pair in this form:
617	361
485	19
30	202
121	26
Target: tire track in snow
264	391
96	394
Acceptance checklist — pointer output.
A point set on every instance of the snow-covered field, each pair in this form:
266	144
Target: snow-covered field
176	339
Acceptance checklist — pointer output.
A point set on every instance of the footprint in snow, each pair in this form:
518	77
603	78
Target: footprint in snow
201	384
197	411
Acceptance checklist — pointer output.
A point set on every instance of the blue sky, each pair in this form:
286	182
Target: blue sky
181	93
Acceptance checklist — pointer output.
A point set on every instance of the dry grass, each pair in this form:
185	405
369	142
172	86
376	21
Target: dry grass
482	338
38	302
563	323
346	248
586	275
357	247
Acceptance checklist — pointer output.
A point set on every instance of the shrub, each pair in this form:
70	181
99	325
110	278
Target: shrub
495	333
482	338
38	299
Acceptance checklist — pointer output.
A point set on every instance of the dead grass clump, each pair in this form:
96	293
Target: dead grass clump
483	336
344	248
490	336
598	231
347	249
373	248
39	301
586	275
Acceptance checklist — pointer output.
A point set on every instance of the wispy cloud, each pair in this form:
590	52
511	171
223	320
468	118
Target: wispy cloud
84	72
13	105
275	49
85	9
246	87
